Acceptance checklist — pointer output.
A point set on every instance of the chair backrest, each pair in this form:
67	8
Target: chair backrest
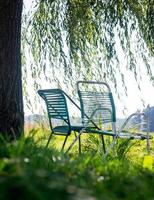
56	105
96	102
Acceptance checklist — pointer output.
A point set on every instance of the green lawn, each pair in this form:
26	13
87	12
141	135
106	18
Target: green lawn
29	171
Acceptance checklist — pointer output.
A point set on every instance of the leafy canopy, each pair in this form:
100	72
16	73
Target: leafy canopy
85	39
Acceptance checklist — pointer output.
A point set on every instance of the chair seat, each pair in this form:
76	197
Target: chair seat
65	130
94	130
61	130
138	136
124	135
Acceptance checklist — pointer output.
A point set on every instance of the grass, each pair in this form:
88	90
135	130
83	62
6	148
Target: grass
29	171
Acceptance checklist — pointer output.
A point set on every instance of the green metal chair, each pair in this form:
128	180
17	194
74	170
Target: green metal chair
98	109
57	109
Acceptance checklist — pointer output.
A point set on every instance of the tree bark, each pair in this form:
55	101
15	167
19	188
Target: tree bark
11	101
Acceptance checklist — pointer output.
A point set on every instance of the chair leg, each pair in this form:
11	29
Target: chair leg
64	143
112	145
148	143
79	144
48	140
75	134
79	134
103	143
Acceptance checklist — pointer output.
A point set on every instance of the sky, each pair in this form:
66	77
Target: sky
124	107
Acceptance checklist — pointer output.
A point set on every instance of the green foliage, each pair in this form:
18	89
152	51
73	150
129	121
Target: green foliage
29	171
81	39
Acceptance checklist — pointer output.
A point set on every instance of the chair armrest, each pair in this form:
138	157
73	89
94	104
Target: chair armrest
130	117
71	100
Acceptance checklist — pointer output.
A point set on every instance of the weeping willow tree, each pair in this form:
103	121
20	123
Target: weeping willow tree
85	39
81	36
69	40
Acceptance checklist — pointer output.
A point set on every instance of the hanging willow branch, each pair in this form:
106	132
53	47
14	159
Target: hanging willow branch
81	39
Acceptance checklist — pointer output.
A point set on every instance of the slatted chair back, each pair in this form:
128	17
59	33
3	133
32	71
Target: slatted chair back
96	102
56	106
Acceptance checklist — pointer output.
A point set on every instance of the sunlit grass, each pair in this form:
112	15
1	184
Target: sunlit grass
28	170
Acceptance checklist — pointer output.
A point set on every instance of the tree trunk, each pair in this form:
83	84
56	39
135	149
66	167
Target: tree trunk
11	102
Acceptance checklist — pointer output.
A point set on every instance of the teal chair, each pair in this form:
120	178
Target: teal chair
98	110
58	114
